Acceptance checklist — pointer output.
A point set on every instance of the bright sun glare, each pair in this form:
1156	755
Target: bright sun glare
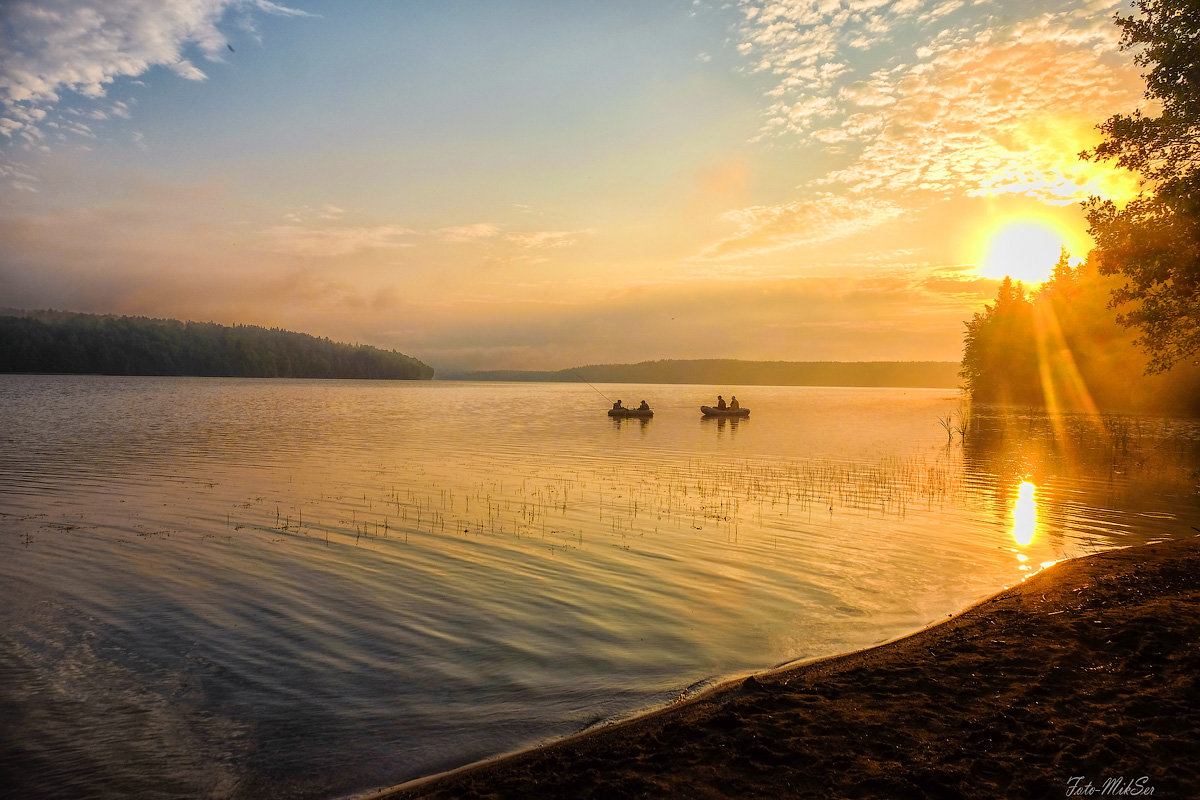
1025	514
1024	251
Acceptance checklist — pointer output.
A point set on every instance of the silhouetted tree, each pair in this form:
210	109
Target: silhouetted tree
1000	360
1154	241
1062	347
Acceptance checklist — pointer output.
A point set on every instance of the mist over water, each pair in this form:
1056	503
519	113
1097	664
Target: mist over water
241	588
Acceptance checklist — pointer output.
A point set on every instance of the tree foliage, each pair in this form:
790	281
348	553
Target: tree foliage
1153	242
1061	347
108	345
999	361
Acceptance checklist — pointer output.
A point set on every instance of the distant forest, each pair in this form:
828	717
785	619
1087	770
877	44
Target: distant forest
64	342
732	372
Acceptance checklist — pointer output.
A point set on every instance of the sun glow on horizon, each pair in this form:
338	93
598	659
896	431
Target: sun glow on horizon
1024	250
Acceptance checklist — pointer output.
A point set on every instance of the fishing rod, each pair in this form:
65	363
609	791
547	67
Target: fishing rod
589	383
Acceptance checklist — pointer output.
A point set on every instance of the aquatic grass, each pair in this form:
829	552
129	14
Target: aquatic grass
742	499
737	495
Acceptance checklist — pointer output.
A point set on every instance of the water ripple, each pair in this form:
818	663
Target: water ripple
224	588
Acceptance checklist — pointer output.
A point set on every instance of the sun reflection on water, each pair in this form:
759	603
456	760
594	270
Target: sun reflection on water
1025	516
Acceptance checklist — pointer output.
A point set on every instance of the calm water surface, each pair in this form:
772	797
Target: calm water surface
239	588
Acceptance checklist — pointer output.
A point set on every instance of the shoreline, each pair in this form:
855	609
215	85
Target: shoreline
1088	670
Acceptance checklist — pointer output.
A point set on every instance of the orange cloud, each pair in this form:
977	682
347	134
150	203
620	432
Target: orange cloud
971	107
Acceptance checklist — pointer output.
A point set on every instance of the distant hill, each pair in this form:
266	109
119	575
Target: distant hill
732	372
65	342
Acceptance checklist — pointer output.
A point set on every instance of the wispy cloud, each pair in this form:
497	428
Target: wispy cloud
316	232
819	218
493	233
469	233
17	177
55	46
342	240
543	240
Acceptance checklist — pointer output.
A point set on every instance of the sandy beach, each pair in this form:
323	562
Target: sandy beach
1082	681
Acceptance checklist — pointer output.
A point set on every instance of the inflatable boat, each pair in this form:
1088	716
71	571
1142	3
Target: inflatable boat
712	411
631	412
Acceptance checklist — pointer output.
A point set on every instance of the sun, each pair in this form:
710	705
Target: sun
1025	251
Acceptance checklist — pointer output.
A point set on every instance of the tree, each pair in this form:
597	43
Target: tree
1062	348
1000	362
1153	243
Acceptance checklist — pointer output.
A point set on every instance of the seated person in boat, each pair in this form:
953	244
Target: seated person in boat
734	405
644	406
720	403
617	406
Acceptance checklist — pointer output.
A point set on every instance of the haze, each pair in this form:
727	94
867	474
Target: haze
535	185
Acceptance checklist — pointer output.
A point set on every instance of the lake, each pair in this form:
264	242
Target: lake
274	588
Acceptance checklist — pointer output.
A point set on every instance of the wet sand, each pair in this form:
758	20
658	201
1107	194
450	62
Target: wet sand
1089	672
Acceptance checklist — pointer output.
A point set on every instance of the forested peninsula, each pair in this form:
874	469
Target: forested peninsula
1120	332
1061	347
732	372
65	342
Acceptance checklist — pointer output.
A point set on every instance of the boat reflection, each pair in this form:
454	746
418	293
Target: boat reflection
722	423
639	421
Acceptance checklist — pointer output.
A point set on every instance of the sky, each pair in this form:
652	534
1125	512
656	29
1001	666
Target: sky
533	184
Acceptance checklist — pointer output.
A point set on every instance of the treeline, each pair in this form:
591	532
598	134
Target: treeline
1123	331
1062	348
63	342
733	372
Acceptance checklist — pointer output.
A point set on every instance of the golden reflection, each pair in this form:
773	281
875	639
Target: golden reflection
1025	514
722	423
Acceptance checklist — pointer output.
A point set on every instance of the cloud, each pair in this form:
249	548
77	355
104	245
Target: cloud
187	252
493	233
469	233
310	232
941	98
172	250
16	176
821	318
818	218
543	240
56	46
331	241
